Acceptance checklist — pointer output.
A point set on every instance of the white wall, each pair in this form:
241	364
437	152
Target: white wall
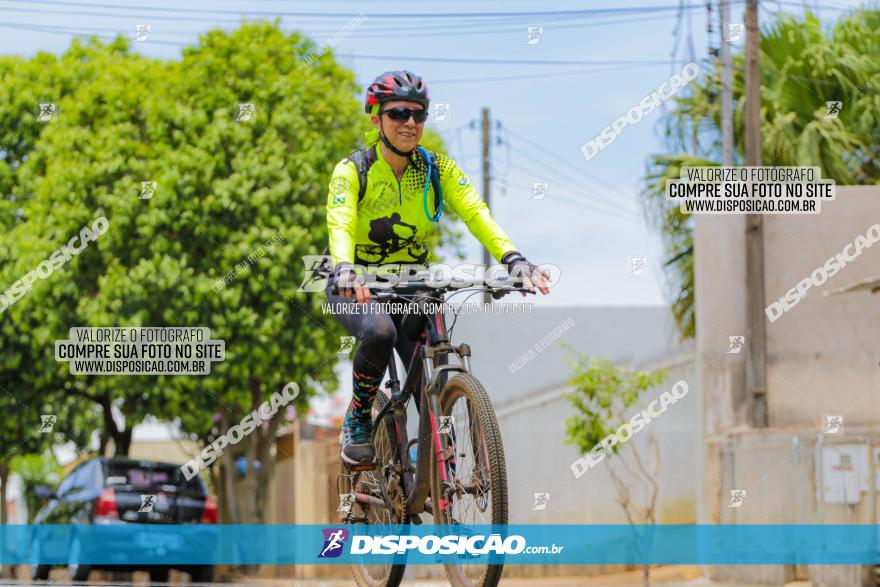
538	460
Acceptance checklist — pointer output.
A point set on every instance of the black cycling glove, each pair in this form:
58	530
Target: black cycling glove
518	267
344	277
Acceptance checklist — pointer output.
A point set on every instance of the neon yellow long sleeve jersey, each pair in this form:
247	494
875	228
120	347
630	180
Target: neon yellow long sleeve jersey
390	224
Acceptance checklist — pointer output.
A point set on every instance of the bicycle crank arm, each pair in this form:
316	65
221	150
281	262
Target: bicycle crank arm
369	499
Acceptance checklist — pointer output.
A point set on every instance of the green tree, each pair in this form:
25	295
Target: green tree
62	197
24	83
603	397
34	470
802	68
240	196
31	424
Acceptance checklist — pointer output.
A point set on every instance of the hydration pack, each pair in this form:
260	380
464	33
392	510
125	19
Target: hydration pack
363	158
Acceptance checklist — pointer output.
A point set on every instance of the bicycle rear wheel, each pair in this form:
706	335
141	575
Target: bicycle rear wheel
382	483
476	489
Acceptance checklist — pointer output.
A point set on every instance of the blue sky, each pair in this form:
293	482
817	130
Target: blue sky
589	223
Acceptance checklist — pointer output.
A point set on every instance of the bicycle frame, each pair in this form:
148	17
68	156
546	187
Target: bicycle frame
425	375
427	368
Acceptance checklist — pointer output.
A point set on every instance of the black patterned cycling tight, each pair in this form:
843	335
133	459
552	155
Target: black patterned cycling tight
378	333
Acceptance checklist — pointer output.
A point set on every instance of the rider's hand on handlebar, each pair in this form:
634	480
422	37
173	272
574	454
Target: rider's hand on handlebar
350	283
538	279
519	266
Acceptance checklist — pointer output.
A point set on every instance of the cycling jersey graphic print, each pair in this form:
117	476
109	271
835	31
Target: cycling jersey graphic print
391	222
390	235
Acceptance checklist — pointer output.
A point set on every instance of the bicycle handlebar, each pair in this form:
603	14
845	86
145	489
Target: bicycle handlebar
421	286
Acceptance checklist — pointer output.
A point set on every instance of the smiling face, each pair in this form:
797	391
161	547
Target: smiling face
403	135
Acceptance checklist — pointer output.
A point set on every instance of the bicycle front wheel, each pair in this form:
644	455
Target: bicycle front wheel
475	491
383	485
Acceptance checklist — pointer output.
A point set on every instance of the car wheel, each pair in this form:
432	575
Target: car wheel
78	572
38	572
159	575
202	574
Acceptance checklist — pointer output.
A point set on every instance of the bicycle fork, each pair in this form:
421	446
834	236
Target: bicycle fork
429	425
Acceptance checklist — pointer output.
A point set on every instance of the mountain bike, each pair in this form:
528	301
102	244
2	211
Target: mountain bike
459	475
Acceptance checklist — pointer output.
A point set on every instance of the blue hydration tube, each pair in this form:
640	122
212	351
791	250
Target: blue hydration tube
431	170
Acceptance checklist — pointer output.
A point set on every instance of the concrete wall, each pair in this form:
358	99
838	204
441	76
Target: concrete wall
538	460
796	478
168	451
822	359
719	281
315	500
823	354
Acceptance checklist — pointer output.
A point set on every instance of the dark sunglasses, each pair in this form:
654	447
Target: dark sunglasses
401	114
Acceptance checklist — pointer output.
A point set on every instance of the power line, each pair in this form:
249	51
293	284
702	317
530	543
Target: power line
559	179
368	31
562	14
111	30
817	5
690	37
536	75
505	61
547	153
576	200
573	184
478	28
490	178
70	32
502	28
365	31
502	140
45	29
579	202
475	27
105	15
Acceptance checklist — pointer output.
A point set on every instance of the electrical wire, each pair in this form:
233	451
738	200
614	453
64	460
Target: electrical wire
561	14
504	20
54	30
540	75
424	28
574	185
817	5
692	53
44	29
469	60
371	31
502	135
502	28
579	202
543	151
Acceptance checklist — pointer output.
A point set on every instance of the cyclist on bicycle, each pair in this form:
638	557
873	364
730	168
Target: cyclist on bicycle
397	103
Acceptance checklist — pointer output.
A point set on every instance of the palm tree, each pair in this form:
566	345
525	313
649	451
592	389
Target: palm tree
802	68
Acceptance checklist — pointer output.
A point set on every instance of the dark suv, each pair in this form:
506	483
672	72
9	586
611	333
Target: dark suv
118	491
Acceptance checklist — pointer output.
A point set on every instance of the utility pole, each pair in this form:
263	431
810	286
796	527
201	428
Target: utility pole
487	182
756	379
726	88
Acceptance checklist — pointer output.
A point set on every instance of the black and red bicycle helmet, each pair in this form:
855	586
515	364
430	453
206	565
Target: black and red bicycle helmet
397	85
